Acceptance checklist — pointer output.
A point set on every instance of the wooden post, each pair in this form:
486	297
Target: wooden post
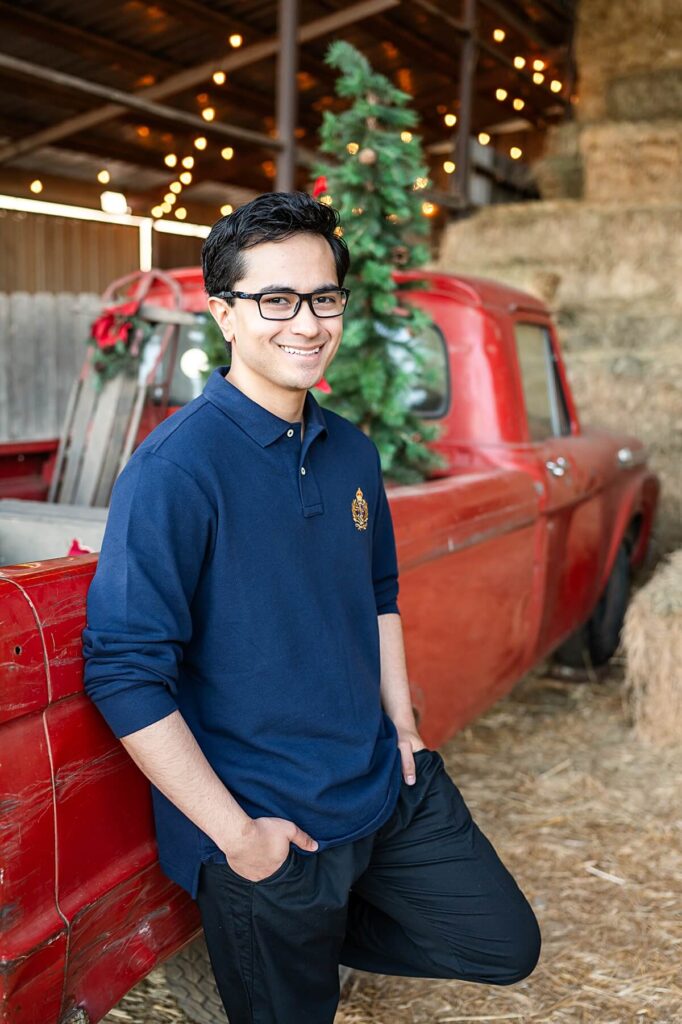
287	65
466	76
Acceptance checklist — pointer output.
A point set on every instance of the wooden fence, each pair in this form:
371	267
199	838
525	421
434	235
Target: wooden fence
42	347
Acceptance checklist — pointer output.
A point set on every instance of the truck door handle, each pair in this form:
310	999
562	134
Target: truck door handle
557	468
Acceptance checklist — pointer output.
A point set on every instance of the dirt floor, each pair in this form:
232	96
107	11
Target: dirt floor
589	820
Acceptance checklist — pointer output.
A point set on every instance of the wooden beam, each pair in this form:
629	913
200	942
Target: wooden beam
192	76
460	179
286	94
521	25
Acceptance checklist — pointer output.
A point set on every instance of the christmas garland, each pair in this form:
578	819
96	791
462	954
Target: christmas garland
117	338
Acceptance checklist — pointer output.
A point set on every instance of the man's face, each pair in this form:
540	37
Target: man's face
302	263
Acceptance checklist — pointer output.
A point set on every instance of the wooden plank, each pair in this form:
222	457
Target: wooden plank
75	439
4	365
96	440
125	409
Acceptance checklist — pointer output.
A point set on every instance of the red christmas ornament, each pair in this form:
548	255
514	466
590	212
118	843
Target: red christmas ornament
320	186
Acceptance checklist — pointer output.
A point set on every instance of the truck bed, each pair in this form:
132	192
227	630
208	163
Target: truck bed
31	531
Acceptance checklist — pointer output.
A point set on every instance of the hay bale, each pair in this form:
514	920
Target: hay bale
652	638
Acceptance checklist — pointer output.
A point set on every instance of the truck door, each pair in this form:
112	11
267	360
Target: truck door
568	484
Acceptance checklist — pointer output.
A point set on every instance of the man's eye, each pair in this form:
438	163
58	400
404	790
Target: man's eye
277	300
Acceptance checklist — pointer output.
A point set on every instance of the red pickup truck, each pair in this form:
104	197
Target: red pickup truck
523	544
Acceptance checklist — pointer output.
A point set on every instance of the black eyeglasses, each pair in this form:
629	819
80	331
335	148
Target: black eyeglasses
285	305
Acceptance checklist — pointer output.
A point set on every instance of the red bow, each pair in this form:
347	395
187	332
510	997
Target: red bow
320	186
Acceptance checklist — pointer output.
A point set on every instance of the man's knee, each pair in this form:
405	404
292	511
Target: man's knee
524	951
508	955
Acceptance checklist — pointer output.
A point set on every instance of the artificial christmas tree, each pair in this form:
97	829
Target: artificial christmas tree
375	183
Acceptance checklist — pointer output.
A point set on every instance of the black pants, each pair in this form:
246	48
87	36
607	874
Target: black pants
424	896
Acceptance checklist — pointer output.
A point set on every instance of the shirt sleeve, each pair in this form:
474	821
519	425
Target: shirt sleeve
384	558
159	531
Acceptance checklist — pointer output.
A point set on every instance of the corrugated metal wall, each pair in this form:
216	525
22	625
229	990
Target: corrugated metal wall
42	348
56	254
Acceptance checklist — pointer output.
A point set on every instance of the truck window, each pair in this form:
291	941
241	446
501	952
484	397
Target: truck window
546	407
429	388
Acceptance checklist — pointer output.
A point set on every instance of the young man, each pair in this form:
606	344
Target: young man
244	642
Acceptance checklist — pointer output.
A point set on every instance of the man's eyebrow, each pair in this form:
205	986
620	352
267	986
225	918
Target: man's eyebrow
327	286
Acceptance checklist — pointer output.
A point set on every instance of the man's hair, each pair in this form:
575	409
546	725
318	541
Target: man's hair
270	217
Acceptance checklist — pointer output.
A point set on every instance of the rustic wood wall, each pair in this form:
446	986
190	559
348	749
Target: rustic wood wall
42	348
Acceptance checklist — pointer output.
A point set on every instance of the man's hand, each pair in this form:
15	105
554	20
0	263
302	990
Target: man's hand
409	742
263	846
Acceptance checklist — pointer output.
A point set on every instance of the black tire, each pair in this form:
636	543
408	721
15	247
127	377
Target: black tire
190	981
597	640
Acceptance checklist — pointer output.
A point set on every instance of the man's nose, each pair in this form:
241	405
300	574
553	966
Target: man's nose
305	322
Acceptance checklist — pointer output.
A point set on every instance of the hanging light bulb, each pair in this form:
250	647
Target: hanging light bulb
176	187
406	136
208	113
538	65
36	186
428	209
499	35
181	213
483	138
515	153
103	177
227	209
188	162
170	160
219	77
185	177
352	148
157	211
450	120
200	142
166	207
227	153
538	77
501	94
449	167
170	197
519	62
235	40
555	85
518	103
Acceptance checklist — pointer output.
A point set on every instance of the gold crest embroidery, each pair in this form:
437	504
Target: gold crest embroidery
360	511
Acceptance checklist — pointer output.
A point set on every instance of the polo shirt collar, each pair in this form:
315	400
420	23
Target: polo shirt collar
259	423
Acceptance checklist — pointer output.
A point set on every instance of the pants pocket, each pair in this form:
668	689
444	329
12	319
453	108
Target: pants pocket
274	877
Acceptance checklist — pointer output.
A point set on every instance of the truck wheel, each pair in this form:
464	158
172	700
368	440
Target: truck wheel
190	981
597	639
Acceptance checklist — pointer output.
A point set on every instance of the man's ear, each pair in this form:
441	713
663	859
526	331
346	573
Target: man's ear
222	314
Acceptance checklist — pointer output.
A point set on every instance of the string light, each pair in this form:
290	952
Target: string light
499	35
170	197
352	148
327	200
357	210
219	77
519	62
538	65
226	209
555	85
406	136
188	162
200	142
143	131
501	94
36	186
420	183
449	167
185	177
157	211
518	104
235	40
166	207
181	213
538	77
483	138
450	120
515	153
227	153
208	113
104	177
338	231
176	187
428	209
170	160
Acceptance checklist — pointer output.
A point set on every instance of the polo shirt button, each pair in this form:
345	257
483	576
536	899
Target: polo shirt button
302	470
290	433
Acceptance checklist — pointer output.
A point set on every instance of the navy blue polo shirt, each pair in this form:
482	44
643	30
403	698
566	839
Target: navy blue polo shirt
240	578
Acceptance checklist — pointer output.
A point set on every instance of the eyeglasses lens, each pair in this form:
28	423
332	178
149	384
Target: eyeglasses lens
282	305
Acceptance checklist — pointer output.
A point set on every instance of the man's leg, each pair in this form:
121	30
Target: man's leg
274	944
435	900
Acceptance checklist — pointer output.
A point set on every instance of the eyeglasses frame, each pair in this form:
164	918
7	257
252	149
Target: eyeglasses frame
308	296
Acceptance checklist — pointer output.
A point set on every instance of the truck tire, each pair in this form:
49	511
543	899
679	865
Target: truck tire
190	981
597	639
